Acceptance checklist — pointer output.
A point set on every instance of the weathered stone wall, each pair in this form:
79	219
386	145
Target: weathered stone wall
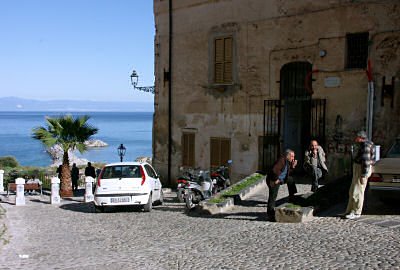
268	35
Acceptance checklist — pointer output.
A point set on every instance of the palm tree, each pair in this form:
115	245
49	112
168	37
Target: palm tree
70	133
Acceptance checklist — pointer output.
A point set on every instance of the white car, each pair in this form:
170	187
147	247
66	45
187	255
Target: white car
128	183
385	179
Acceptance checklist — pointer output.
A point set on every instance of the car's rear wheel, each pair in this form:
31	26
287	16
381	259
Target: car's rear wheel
161	199
149	205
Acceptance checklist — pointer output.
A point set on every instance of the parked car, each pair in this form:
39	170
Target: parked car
385	179
128	183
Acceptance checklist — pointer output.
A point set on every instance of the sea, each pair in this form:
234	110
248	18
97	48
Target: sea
132	129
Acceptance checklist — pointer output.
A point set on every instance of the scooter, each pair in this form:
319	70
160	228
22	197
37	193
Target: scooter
221	176
183	180
203	189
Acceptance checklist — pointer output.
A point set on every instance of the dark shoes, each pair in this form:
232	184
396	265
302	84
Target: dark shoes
270	218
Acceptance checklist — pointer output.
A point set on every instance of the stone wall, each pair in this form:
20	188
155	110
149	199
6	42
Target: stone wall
268	35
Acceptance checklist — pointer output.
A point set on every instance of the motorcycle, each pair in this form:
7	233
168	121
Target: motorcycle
221	177
202	189
183	180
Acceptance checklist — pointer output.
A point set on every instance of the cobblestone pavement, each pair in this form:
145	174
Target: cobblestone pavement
72	236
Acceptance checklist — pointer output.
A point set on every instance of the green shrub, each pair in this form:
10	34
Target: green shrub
8	161
291	205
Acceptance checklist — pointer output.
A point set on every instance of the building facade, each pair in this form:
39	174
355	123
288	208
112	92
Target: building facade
244	80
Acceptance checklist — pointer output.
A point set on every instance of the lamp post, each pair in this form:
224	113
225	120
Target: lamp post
134	81
121	151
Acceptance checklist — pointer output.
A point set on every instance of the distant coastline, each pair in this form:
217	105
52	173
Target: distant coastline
133	129
14	104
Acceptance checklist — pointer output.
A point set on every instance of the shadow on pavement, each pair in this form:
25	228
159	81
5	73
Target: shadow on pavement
372	206
249	216
78	207
39	201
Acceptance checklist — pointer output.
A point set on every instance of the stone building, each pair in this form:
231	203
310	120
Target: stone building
243	80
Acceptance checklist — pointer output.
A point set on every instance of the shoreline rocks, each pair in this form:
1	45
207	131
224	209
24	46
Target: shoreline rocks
95	143
56	153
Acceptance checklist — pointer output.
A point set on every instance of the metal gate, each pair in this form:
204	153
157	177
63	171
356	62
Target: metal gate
271	133
317	127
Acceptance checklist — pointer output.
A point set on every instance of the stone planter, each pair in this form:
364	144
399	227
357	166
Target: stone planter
286	214
206	207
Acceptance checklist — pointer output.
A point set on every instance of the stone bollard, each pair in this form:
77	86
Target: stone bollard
88	189
55	191
20	197
1	181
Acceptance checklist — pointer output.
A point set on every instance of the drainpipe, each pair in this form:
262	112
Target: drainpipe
170	92
370	102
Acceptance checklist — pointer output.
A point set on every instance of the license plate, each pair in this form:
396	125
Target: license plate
120	199
396	180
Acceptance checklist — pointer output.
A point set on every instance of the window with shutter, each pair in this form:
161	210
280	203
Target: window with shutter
188	147
220	151
223	54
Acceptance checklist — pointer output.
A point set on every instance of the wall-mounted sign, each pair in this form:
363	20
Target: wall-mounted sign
332	82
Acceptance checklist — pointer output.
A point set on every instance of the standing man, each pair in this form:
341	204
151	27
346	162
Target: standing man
74	176
361	171
89	171
279	175
315	163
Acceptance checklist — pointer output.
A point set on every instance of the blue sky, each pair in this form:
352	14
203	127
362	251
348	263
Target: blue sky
76	49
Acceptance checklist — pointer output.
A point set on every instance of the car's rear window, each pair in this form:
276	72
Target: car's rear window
394	151
125	171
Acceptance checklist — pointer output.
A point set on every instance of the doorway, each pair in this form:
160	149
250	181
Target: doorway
293	120
297	108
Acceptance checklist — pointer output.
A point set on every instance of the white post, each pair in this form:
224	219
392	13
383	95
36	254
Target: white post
20	197
55	191
88	189
1	181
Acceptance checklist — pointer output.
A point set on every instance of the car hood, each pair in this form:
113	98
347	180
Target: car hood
387	165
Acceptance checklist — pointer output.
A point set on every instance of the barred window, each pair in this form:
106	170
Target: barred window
223	51
357	50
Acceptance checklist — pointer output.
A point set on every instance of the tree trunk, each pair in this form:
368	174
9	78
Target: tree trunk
66	189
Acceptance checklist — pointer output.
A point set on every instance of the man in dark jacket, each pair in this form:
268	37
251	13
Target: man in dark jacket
74	176
279	175
89	170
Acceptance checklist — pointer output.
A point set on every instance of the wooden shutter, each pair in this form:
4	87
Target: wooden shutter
228	60
223	52
220	151
188	146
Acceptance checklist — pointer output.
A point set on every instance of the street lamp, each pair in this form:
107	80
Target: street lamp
135	80
121	151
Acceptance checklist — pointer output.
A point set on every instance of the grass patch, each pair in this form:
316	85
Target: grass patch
237	188
4	228
291	205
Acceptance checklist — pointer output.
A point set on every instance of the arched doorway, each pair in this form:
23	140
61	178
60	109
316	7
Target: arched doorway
293	119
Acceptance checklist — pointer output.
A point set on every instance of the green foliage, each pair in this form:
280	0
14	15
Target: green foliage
3	228
69	132
44	174
291	205
237	188
8	161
